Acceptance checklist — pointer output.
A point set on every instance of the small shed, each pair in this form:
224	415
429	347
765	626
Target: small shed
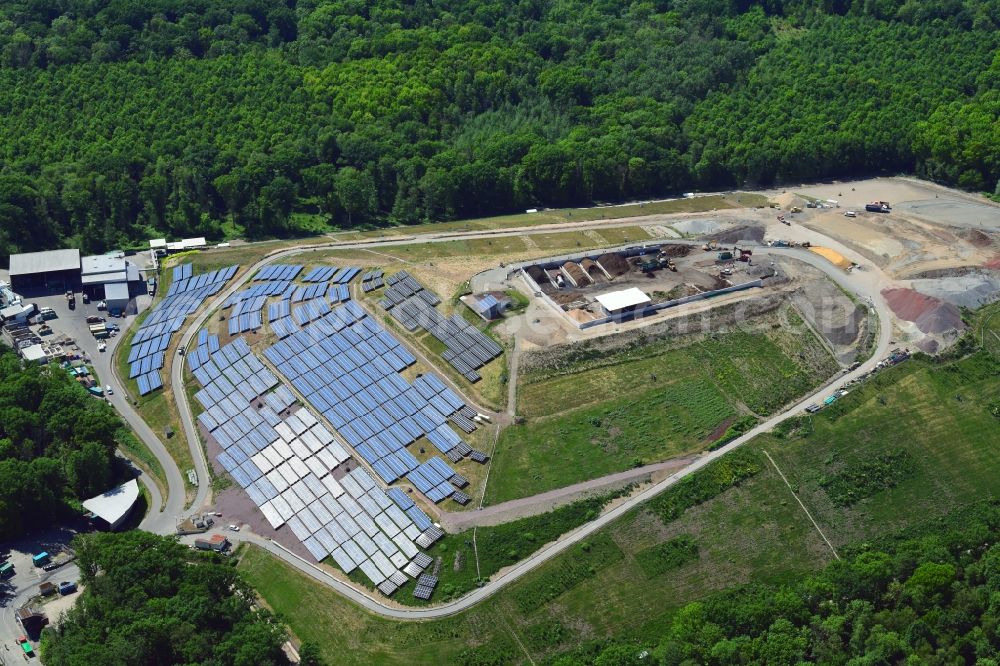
624	301
487	306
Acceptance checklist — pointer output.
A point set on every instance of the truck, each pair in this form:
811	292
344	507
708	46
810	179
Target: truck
71	300
41	559
47	313
151	286
26	647
6	571
725	255
96	391
878	207
99	331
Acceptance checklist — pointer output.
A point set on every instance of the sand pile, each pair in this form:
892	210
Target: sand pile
614	263
931	315
789	199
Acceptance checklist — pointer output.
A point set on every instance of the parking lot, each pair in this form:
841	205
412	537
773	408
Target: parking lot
22	588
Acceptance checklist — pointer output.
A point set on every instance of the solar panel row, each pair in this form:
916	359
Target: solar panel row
284	463
278	272
151	340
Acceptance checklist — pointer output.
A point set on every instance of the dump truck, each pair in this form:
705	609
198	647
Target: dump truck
725	255
744	255
878	207
26	647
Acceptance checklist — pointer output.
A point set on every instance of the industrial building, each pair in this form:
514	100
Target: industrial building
112	278
114	506
623	302
162	247
45	270
488	306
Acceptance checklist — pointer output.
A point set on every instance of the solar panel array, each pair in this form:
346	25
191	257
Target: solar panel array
425	586
286	462
332	274
468	348
308	292
278	272
371	281
149	344
348	366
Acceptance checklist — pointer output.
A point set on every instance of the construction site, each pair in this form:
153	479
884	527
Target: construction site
663	273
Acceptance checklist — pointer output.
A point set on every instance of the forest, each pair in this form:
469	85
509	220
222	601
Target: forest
926	596
128	119
148	600
57	446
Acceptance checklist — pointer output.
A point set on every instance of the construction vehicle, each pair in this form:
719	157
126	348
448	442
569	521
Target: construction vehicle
796	209
725	255
708	247
878	207
744	255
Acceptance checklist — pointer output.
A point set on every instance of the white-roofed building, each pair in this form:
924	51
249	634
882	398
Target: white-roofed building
621	302
115	505
111	277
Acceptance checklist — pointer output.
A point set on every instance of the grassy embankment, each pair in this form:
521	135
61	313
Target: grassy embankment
632	576
667	398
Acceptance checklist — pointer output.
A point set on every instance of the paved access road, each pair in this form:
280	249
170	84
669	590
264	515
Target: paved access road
866	284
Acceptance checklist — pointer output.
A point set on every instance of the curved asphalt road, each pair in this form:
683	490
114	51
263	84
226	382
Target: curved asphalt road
866	283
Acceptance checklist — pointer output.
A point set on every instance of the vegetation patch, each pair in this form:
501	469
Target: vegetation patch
723	474
863	479
589	557
667	556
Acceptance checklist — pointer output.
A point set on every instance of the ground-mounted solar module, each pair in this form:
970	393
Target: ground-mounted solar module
286	461
150	342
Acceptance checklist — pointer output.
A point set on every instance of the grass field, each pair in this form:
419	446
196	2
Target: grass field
752	533
669	398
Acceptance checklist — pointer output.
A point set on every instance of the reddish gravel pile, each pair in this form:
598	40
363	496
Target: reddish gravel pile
994	263
931	315
614	263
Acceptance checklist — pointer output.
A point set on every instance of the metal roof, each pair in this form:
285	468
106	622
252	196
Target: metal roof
113	505
116	291
616	300
44	262
102	263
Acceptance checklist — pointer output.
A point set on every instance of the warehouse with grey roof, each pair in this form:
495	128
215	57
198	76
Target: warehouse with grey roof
45	270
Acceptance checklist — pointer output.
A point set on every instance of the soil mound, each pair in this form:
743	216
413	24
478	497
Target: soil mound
537	274
593	270
574	271
614	263
738	234
993	263
978	238
931	315
676	251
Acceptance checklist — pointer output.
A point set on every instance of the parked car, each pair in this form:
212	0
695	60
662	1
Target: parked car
109	390
234	528
102	347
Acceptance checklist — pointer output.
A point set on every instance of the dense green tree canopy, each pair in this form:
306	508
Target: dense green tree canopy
57	445
126	119
149	600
